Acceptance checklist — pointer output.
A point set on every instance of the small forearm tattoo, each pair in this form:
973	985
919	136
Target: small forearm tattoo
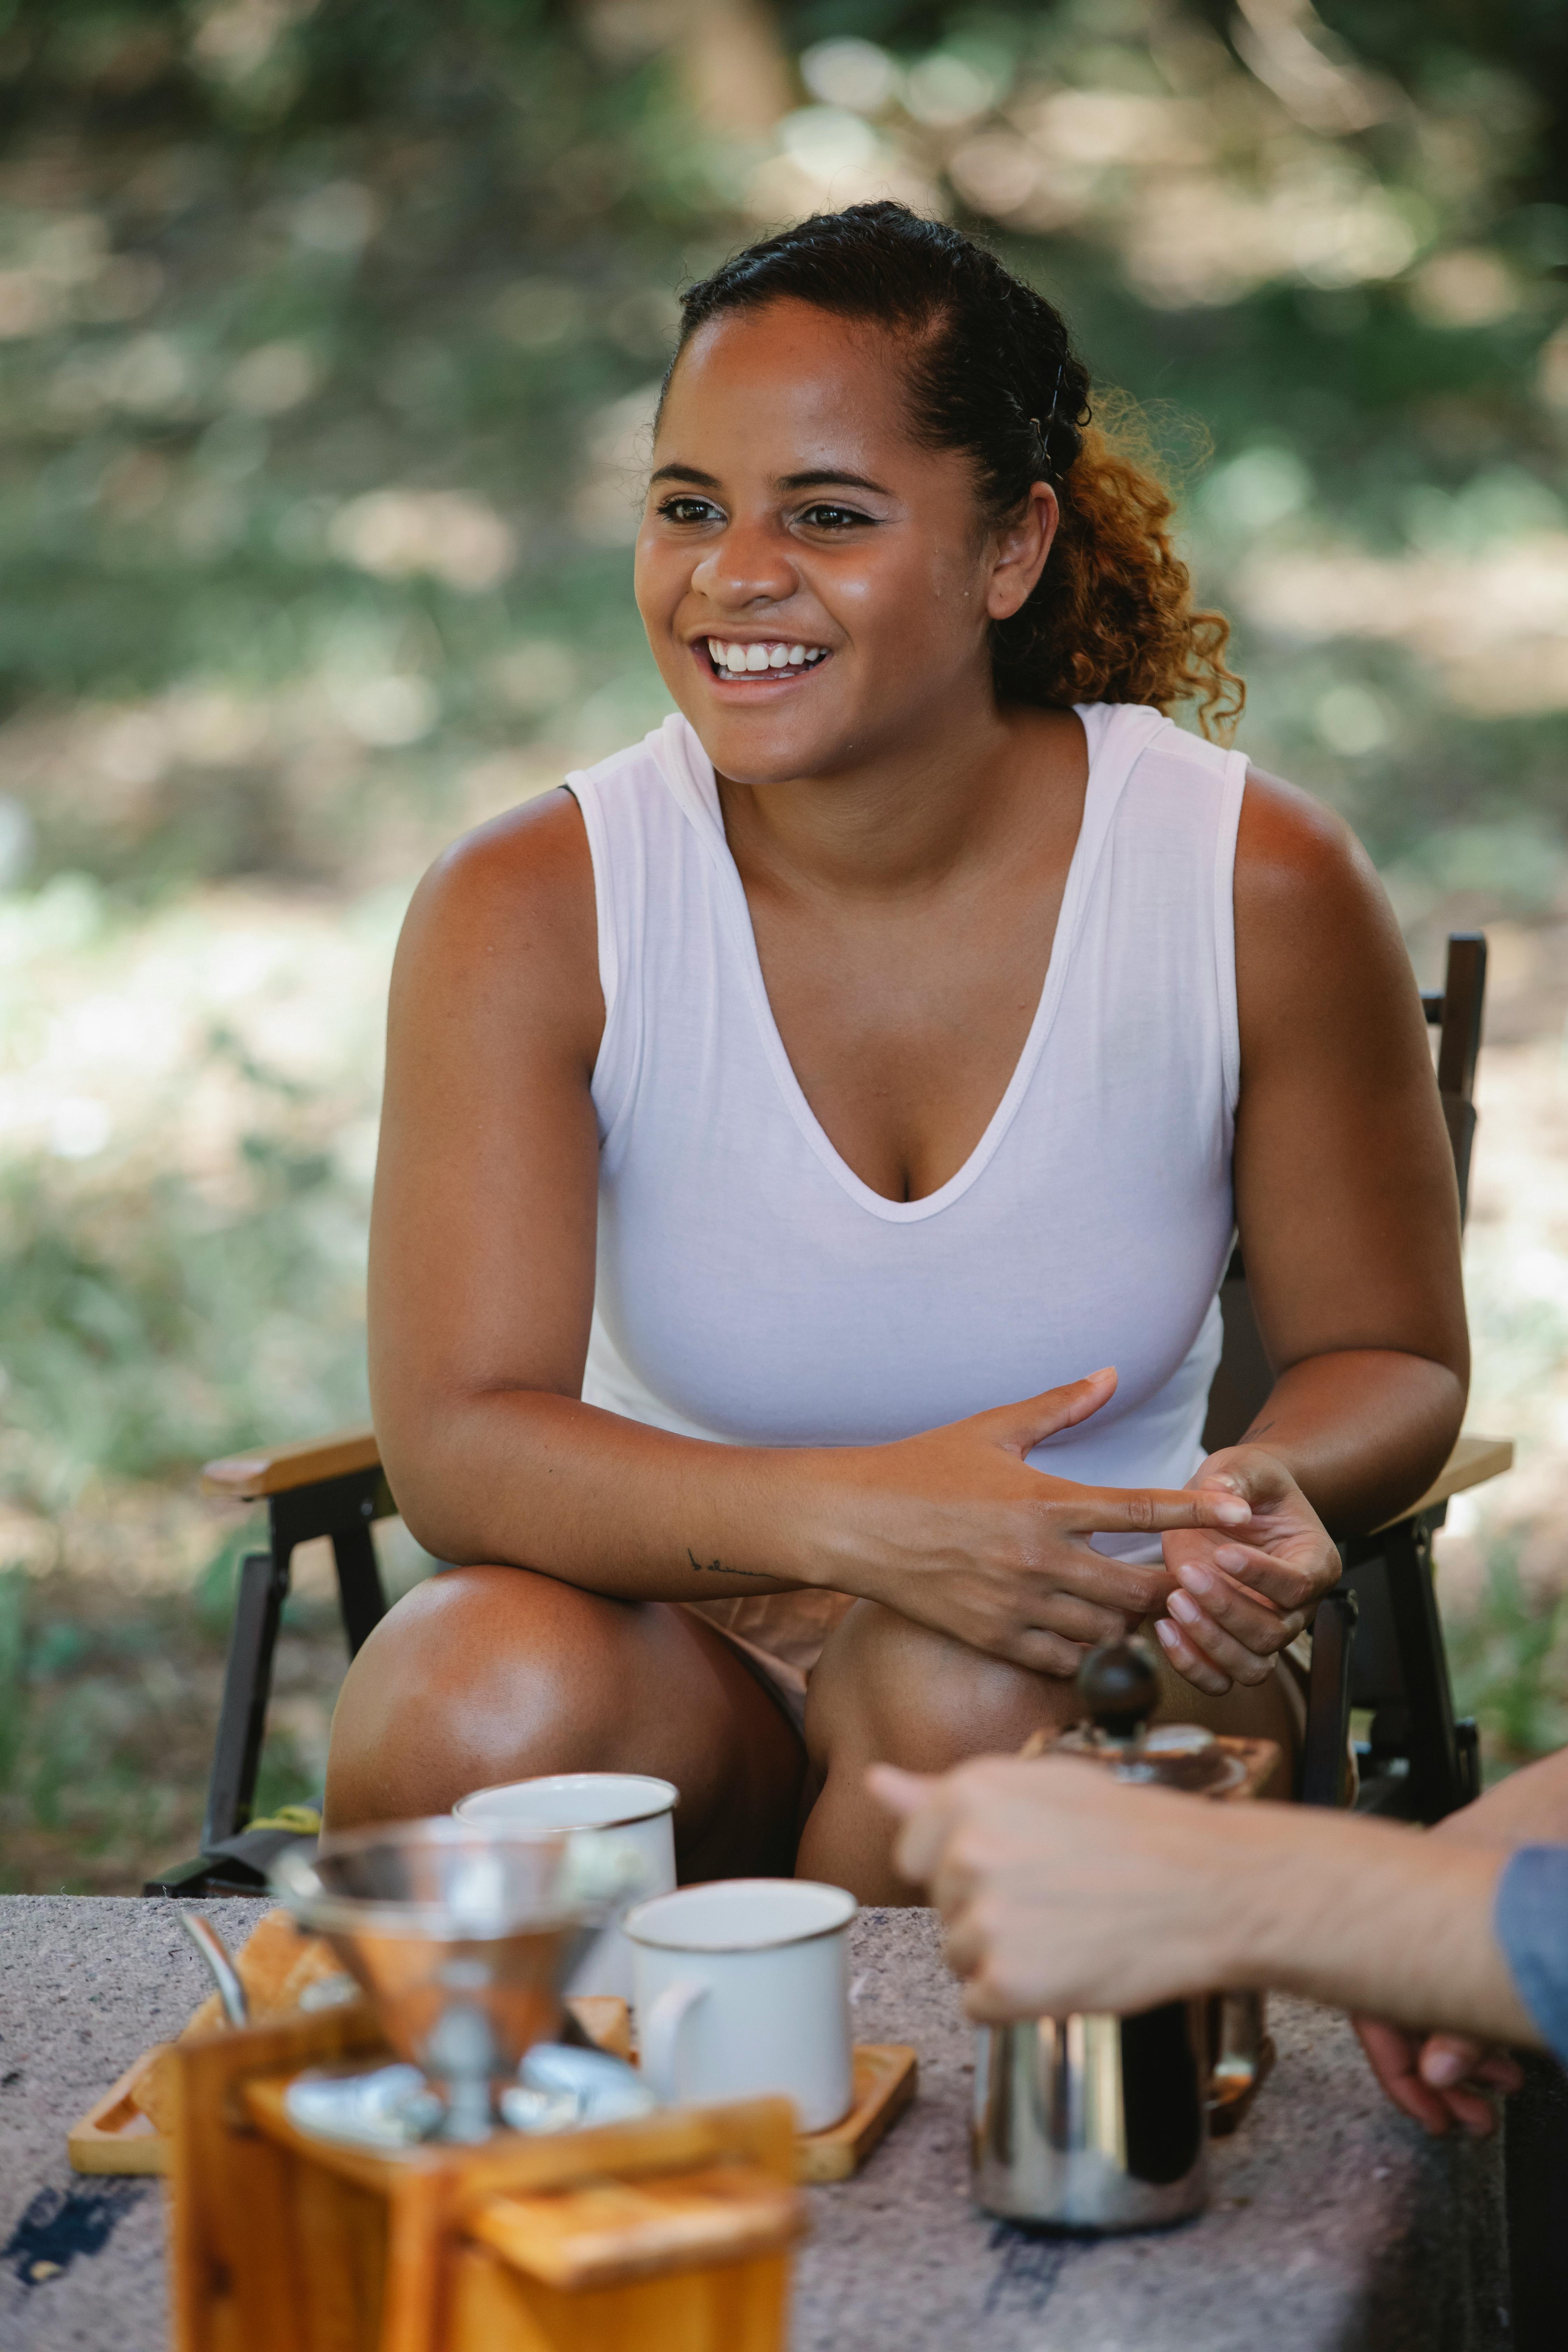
1251	1436
716	1567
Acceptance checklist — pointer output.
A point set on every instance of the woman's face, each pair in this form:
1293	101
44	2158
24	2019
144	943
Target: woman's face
791	520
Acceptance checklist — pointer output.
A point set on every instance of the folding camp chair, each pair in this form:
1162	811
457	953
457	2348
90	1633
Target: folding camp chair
1391	1658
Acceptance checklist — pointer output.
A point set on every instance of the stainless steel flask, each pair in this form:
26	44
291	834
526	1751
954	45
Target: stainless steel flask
1102	2122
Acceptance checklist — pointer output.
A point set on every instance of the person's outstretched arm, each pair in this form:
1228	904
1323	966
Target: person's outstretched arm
1442	2079
1066	1890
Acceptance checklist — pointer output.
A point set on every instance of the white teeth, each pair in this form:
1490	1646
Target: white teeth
737	659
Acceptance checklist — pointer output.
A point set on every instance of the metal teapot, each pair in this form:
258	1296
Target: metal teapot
1102	2122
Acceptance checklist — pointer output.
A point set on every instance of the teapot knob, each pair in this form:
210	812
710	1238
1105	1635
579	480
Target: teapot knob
1119	1684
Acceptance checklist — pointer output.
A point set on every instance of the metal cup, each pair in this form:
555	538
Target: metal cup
462	1937
1094	2122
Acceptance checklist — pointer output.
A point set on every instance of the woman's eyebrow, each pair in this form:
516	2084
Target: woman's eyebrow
822	475
818	478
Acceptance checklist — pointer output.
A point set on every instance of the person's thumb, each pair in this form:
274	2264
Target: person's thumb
1021	1427
1447	2058
902	1792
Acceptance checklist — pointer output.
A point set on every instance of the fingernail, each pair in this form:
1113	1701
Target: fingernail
1166	1631
1230	1555
1441	2067
1197	1580
1233	1515
1187	1610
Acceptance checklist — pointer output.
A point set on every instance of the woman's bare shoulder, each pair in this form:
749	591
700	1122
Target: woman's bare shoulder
506	914
1292	850
1314	931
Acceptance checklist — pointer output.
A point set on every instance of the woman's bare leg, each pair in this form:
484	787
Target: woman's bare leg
886	1690
485	1675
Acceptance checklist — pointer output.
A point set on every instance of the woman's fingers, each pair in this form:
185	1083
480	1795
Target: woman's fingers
1023	1426
1189	1660
1148	1510
1128	1590
1223	1651
1288	1583
1045	1653
1079	1620
1203	1599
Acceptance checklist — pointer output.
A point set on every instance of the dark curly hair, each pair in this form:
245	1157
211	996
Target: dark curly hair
991	371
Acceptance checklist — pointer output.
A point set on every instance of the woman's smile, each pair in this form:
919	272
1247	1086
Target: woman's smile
753	663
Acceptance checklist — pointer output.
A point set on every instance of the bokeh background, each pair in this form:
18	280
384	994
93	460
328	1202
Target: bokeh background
329	334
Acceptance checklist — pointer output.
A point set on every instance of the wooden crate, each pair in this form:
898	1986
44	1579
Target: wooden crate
668	2234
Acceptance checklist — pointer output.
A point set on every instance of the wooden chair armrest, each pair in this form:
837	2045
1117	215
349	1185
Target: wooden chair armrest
1473	1461
279	1469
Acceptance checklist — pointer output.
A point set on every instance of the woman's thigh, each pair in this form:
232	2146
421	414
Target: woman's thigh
888	1691
485	1675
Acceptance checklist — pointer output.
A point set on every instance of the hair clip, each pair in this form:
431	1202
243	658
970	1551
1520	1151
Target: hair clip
1045	437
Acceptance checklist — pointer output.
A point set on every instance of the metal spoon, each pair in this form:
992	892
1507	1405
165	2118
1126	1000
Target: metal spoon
211	1947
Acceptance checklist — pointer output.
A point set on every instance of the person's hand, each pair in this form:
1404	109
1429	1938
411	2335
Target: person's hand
1063	1889
953	1530
1240	1595
1439	2079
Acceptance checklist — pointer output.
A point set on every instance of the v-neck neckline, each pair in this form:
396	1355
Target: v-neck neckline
690	772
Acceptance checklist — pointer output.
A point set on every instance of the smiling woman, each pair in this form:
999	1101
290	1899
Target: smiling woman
783	1120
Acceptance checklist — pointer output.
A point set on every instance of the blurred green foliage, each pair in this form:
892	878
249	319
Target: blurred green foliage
1509	1663
270	260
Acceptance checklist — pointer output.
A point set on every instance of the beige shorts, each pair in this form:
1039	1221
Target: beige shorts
779	1636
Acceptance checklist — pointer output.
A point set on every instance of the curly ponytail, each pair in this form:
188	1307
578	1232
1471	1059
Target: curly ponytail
992	372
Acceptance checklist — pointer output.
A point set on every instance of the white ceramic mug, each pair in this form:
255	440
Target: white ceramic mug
743	1989
634	1804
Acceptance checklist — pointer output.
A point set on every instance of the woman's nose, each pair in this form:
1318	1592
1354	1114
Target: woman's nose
748	563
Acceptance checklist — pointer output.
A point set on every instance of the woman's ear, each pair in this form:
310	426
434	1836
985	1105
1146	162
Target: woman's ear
1020	550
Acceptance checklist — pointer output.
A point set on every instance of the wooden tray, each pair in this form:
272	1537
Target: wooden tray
126	2131
117	2136
886	2073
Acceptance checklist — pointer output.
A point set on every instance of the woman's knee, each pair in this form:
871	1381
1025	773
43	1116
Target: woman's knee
478	1676
888	1689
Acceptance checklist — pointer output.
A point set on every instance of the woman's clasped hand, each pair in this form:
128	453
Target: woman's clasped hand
1241	1593
956	1529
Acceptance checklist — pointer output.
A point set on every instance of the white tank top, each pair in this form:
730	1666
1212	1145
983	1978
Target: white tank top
752	1290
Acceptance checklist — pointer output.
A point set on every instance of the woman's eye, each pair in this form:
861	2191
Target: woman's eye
688	511
827	518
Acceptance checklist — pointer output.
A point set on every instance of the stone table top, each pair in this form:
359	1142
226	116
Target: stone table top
1335	2225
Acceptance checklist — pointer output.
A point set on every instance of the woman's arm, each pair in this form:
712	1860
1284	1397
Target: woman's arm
481	1290
1348	1219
